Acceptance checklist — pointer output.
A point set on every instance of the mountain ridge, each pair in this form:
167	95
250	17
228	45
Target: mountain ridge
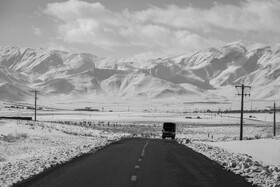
191	76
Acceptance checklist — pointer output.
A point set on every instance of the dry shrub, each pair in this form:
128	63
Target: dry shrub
30	123
13	137
269	136
258	136
2	159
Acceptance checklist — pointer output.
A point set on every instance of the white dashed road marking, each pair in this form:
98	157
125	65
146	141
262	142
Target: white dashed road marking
144	148
133	178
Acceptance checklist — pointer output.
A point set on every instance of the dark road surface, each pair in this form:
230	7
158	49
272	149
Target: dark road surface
140	162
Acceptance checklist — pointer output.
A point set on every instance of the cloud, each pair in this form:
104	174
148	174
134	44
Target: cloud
37	31
252	15
156	30
56	46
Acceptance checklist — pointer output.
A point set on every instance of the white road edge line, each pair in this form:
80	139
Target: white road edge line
133	178
144	148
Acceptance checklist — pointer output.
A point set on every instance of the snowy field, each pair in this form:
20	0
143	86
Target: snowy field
145	115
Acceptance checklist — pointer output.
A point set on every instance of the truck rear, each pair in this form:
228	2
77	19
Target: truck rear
169	130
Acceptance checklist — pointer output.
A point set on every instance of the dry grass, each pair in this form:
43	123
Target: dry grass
2	159
258	136
13	137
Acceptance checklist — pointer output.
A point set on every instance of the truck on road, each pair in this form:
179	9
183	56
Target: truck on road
168	130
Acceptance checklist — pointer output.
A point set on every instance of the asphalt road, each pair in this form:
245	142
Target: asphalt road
140	162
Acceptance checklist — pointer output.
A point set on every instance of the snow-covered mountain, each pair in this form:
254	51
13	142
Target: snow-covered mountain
205	75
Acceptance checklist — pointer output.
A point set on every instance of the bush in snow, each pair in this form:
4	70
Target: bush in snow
2	159
13	137
257	136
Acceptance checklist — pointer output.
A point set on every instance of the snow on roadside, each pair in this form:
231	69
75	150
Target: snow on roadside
266	151
28	149
255	171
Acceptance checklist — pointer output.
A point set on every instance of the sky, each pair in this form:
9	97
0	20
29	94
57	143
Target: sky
137	29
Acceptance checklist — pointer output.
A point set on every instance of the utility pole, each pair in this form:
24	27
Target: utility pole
35	109
274	120
242	107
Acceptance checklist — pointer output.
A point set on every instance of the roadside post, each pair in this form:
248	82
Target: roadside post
35	109
274	120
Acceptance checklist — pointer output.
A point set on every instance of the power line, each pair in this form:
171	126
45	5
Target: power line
242	106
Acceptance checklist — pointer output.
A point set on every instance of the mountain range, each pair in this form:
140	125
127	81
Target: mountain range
206	75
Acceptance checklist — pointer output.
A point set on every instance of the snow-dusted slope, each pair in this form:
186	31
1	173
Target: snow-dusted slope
197	75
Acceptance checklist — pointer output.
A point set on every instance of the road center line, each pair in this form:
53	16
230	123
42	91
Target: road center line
144	148
133	178
137	167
